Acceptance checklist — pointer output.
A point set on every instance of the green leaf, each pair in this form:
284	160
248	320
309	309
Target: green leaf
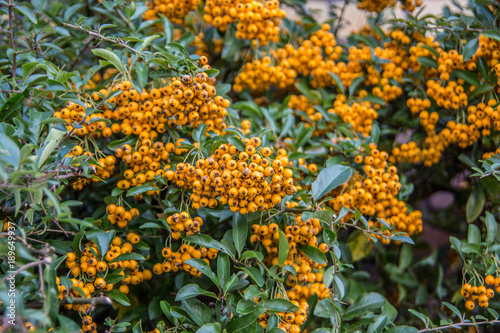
210	328
9	150
255	274
474	235
113	278
453	308
470	48
282	248
193	290
35	124
475	204
209	242
240	232
339	83
324	216
354	84
493	34
118	296
128	256
101	239
491	228
204	268
364	303
51	142
109	56
329	179
140	189
222	88
168	29
26	12
324	309
468	77
248	106
239	324
314	254
403	238
179	48
428	62
251	254
237	143
280	305
137	327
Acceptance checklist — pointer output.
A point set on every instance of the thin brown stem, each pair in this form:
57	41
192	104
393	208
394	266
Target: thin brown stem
494	321
11	36
96	34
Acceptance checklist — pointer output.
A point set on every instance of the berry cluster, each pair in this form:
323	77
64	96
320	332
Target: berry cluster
88	325
374	193
480	294
289	321
255	21
90	272
175	261
120	215
174	10
248	180
359	115
183	223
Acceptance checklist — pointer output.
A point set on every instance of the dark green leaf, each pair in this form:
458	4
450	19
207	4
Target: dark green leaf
329	179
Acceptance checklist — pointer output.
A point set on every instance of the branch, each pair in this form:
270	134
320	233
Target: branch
100	300
11	37
341	16
96	34
92	300
493	321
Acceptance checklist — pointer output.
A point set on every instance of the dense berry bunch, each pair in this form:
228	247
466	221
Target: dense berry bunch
182	223
255	21
375	6
175	261
146	162
481	120
174	10
260	75
289	321
183	101
120	216
246	180
193	100
309	276
90	270
359	115
88	325
480	294
378	6
374	193
309	115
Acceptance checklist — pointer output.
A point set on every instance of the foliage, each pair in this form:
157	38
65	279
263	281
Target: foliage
187	166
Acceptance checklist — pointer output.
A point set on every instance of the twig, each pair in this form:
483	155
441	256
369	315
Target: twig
104	300
91	300
494	321
365	231
79	56
11	36
111	40
129	24
341	16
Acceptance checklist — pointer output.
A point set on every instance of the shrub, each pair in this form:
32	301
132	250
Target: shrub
179	166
